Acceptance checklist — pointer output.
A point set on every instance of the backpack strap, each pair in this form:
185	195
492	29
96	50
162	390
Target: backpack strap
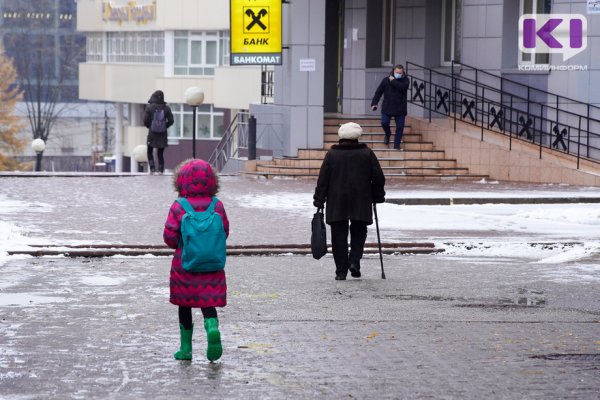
212	205
186	205
189	209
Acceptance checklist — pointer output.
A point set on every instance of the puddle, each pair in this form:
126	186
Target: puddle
508	302
595	357
523	301
410	297
499	304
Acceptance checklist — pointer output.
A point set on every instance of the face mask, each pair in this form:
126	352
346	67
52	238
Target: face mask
397	76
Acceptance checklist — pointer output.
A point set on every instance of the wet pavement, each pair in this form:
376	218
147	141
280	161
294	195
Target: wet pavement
439	327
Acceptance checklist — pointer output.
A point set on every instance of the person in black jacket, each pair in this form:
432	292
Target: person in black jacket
350	181
157	118
393	88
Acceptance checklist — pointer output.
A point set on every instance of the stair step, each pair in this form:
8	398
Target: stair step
366	129
389	177
375	136
384	162
415	170
431	154
408	146
417	161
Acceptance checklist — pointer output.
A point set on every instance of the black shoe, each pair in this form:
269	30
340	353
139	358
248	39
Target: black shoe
386	140
340	278
355	270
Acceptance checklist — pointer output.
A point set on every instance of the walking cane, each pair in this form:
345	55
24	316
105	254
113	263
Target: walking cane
379	240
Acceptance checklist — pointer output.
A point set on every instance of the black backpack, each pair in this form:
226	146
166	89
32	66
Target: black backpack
159	123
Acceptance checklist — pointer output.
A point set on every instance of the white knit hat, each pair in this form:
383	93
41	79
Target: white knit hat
350	130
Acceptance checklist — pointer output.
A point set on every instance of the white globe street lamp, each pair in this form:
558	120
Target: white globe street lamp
38	145
194	96
140	155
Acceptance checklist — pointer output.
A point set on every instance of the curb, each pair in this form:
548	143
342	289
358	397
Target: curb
491	200
98	251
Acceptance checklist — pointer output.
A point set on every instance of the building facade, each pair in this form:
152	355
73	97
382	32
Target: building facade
137	47
353	44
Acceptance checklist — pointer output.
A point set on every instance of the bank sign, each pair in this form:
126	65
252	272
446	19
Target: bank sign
255	32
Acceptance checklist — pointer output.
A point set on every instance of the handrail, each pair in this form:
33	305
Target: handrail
520	117
234	137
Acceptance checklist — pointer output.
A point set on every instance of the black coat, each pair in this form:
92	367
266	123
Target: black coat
157	140
394	96
350	181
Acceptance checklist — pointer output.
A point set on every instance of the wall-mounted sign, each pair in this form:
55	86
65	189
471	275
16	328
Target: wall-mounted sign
130	11
308	64
255	32
593	6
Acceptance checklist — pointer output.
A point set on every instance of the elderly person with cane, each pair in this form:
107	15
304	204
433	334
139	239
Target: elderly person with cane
350	181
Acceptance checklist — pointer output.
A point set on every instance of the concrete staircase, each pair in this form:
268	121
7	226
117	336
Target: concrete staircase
418	160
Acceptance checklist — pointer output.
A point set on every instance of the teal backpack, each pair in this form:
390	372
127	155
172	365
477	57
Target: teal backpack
203	238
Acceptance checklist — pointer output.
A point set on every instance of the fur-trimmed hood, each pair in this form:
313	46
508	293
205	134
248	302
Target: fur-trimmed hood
195	178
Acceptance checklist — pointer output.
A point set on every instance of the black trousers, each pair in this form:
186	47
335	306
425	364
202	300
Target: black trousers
161	159
339	244
185	315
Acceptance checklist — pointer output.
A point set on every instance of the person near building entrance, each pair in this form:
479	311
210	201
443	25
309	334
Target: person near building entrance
394	90
157	118
350	181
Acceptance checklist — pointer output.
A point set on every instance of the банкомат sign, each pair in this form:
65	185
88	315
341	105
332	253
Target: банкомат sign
255	32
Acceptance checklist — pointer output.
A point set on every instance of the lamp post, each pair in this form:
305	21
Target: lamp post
194	96
140	154
38	145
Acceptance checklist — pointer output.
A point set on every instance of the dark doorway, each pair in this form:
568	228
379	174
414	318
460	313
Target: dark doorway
334	25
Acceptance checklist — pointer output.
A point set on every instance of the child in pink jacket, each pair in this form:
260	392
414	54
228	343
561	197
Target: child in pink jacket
196	181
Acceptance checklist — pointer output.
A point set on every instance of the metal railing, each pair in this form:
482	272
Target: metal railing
235	136
514	109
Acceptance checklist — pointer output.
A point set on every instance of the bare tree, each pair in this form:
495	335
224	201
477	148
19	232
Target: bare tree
46	52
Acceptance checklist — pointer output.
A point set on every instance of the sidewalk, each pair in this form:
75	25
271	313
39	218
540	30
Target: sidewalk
455	325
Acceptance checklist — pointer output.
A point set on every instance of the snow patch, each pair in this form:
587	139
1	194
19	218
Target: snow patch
28	299
101	281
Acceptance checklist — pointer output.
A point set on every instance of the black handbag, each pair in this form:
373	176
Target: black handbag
318	238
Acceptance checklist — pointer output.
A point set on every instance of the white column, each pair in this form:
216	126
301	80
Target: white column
169	53
134	114
119	138
133	165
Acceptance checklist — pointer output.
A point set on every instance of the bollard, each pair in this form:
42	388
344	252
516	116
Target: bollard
252	138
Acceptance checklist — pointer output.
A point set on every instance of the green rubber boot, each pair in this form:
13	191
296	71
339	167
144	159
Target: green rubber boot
213	336
185	351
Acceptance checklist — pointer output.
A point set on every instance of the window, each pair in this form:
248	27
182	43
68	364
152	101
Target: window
129	47
94	47
224	45
198	53
210	122
451	31
389	13
534	7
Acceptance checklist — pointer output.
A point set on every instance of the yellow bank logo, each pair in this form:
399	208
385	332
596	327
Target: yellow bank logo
255	32
256	20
